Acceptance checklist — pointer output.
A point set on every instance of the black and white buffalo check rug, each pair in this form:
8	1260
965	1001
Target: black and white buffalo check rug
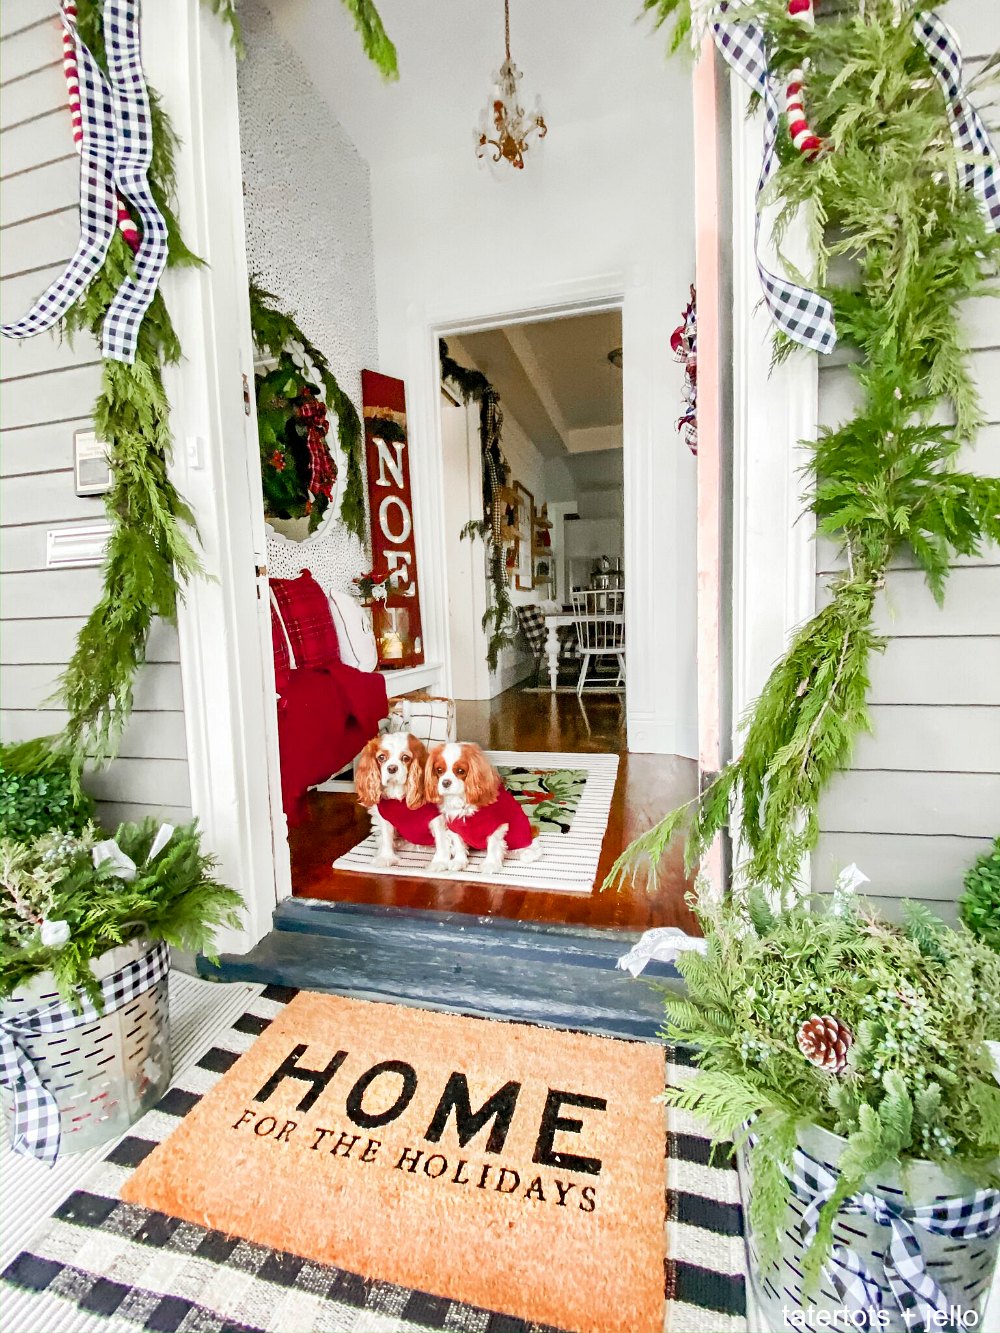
101	1264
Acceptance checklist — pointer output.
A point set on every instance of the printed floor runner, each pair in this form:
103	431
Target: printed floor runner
568	799
332	1164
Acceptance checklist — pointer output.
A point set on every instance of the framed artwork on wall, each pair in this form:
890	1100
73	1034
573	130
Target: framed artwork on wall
524	568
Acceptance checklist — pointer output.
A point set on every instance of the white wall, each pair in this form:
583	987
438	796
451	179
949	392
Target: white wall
309	240
598	207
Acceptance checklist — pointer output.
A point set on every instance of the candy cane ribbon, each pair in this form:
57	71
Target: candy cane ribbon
115	153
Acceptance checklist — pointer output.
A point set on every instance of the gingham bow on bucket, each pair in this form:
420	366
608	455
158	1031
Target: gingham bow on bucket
36	1115
116	149
918	1297
804	315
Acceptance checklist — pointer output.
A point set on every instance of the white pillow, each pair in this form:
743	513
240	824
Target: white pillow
354	632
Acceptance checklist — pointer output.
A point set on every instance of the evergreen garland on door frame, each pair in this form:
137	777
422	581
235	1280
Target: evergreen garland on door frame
884	198
473	386
150	551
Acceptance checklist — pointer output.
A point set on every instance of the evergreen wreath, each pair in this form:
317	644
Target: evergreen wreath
151	551
473	386
284	445
883	196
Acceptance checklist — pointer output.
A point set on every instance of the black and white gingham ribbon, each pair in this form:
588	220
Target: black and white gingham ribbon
115	154
36	1114
804	315
917	1295
979	166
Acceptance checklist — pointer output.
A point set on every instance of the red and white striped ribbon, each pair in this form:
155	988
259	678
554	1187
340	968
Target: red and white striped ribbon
125	224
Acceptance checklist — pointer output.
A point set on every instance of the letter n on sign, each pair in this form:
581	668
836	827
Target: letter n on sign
390	506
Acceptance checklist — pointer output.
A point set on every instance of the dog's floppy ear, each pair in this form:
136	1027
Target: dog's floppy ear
416	777
368	779
482	786
431	792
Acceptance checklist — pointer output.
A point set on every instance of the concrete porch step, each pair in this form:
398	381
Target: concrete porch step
520	971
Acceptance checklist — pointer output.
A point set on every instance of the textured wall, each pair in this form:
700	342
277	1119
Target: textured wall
309	241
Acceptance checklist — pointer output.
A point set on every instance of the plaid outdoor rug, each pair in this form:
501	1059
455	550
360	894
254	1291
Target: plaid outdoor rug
140	1269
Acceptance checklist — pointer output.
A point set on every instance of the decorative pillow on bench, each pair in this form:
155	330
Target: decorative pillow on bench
304	611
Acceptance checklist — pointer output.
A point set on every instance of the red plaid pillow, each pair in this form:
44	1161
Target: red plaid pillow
279	646
305	612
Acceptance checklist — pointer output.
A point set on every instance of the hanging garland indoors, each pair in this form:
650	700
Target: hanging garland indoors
473	386
110	288
905	189
297	468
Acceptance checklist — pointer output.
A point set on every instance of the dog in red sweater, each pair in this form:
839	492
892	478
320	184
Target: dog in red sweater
390	782
478	809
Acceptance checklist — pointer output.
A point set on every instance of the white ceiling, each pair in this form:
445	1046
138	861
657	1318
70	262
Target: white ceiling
586	58
554	376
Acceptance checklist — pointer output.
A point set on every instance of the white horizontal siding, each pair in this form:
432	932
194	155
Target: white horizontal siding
47	391
922	799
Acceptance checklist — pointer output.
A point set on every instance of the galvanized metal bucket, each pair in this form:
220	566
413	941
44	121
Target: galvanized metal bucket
104	1074
961	1268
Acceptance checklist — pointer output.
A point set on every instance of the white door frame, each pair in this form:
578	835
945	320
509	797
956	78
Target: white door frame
651	594
227	668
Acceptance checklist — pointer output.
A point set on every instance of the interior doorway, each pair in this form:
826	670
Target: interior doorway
553	558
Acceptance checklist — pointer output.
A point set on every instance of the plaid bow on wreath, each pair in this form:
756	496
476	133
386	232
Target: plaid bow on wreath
37	1128
801	314
116	148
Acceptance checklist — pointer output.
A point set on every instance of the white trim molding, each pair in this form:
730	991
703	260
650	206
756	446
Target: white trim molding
226	673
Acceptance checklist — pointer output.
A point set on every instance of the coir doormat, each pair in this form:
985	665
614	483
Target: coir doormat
518	1169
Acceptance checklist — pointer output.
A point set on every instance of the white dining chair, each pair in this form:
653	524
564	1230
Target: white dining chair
600	628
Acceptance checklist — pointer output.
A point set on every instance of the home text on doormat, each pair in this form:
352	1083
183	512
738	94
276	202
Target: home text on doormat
516	1168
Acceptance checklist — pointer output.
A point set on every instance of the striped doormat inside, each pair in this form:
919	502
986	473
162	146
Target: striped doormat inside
331	1164
568	799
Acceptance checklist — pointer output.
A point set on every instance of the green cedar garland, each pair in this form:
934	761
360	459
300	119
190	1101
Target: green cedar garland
883	202
276	334
473	386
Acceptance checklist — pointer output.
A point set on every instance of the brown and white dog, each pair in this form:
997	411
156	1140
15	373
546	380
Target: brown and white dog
478	809
390	782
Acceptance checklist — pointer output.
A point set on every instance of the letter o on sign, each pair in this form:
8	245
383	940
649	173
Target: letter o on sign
406	523
355	1098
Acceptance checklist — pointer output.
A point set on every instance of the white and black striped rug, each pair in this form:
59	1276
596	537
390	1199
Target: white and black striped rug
99	1263
568	863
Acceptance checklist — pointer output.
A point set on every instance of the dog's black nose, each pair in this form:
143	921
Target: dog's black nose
391	768
446	782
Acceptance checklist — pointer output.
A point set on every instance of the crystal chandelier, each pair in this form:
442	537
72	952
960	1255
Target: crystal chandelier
504	128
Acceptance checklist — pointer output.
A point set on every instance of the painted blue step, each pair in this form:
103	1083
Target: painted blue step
559	977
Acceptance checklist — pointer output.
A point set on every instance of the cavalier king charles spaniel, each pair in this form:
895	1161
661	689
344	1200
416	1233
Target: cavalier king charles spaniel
390	784
478	809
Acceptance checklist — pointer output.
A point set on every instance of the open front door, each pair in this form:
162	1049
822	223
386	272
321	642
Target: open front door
708	276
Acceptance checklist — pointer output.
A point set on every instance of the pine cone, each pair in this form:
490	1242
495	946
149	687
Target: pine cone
825	1042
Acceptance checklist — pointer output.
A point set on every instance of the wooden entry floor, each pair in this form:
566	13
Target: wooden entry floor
647	787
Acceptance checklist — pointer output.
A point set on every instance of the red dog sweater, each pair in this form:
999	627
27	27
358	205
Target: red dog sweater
413	825
475	830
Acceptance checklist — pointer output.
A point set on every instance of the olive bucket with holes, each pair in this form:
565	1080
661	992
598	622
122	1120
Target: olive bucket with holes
962	1268
103	1074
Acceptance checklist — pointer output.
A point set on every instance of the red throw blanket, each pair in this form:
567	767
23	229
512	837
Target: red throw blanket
413	825
475	830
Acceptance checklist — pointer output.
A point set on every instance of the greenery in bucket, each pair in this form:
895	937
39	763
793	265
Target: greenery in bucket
826	1014
68	897
980	903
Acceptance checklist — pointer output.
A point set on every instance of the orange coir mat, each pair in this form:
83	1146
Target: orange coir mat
519	1169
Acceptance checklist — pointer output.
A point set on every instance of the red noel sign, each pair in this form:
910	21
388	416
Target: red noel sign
390	507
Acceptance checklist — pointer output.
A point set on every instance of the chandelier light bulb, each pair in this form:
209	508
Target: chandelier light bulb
505	129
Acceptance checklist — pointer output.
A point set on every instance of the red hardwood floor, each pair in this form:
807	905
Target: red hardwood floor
647	787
